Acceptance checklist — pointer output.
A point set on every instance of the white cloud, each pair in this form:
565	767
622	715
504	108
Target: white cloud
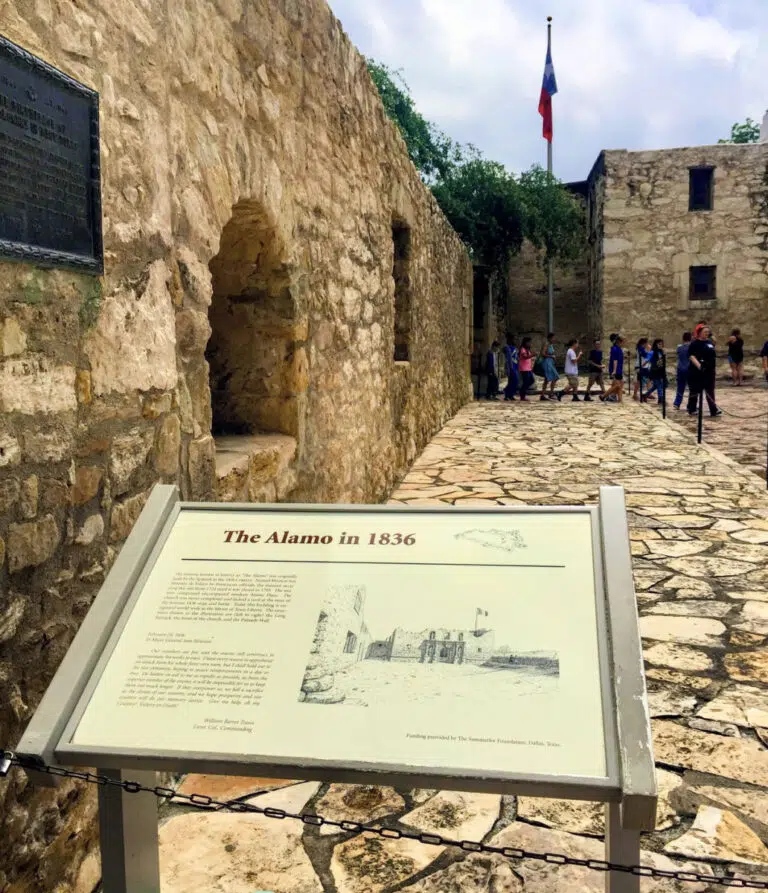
637	74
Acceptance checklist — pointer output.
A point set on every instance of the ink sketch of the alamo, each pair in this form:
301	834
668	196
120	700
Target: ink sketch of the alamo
354	665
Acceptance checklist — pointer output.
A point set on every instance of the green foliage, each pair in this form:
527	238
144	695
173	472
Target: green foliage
431	151
748	132
488	207
554	218
483	203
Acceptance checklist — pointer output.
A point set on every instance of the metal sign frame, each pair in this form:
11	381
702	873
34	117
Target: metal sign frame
39	255
629	788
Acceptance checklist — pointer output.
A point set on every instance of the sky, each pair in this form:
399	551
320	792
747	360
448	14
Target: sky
632	74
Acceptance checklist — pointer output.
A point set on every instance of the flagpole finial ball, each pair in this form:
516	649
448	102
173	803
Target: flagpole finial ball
549	18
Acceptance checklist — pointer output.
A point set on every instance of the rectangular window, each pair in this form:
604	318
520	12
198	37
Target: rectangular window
700	188
351	644
703	284
358	602
401	273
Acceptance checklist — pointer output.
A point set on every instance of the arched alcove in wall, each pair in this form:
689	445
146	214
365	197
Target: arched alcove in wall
252	349
256	353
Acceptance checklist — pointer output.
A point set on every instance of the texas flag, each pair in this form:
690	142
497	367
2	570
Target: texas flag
548	90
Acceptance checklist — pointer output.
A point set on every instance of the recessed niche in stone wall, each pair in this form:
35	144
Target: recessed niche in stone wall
256	354
401	239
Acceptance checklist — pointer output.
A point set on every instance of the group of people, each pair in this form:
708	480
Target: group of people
696	369
522	364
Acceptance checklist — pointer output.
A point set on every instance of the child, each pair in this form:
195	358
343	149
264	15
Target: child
615	371
642	367
526	369
596	368
571	371
511	362
682	369
548	365
657	372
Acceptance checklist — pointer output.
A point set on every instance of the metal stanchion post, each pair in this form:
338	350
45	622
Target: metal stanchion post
701	412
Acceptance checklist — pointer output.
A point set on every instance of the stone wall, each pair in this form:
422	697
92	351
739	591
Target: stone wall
650	240
341	638
253	194
528	300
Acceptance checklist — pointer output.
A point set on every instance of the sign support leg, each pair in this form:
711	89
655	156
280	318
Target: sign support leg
622	846
130	859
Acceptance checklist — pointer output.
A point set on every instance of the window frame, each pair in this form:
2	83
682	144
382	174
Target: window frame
712	294
692	172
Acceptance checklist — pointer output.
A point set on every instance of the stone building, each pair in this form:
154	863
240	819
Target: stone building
450	646
672	236
341	638
284	313
676	236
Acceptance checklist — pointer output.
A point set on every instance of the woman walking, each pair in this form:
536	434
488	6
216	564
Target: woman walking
657	372
736	357
548	367
526	369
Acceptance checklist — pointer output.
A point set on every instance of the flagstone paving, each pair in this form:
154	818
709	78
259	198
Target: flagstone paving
742	431
698	525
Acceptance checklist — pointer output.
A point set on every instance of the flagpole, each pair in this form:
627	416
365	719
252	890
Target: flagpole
550	275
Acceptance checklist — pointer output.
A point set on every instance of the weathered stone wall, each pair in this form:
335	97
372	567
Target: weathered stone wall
594	219
246	162
342	614
651	239
527	305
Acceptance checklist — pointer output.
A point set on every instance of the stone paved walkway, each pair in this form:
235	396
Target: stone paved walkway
699	527
742	431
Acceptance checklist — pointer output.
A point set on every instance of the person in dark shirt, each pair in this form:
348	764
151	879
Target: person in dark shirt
682	368
595	369
491	369
701	372
764	358
615	371
657	372
736	357
510	362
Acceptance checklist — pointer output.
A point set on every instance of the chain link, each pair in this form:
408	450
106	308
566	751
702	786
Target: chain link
202	801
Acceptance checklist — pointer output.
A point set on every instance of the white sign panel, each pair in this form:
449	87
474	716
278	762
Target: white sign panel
459	641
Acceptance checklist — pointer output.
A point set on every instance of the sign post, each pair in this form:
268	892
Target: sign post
224	631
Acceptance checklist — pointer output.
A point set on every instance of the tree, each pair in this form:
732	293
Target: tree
553	216
485	204
431	151
482	202
748	132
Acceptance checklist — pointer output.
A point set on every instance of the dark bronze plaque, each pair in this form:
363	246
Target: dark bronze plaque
50	190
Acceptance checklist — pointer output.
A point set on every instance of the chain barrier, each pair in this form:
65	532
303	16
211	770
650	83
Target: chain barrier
745	418
203	801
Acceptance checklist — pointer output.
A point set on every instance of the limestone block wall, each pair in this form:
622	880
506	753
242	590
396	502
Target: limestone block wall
650	239
333	648
528	300
254	192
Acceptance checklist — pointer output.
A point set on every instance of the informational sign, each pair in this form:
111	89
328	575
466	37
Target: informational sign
469	642
50	205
